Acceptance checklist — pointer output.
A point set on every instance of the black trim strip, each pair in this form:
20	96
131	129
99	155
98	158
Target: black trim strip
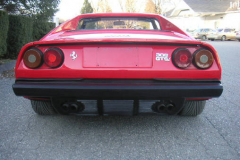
48	79
118	80
187	80
116	89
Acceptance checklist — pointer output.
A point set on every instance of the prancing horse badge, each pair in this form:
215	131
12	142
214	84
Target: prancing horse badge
73	55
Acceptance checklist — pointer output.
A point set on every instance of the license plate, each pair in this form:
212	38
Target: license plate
122	57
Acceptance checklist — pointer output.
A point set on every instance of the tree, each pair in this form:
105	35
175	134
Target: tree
87	8
121	5
39	9
130	6
102	7
160	6
108	9
150	7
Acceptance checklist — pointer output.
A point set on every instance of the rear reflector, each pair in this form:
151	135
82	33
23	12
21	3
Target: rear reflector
53	57
203	59
33	58
182	58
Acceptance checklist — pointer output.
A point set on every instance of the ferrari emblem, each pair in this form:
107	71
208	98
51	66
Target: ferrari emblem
162	57
73	55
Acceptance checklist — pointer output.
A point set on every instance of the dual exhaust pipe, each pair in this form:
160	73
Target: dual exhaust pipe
72	107
78	107
163	107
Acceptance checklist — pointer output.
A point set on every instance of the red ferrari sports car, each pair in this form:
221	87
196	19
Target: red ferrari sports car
94	62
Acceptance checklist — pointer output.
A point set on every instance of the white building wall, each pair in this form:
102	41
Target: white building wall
229	20
213	21
189	23
232	20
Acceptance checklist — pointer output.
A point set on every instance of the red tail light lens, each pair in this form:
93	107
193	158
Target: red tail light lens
33	58
182	58
203	59
53	57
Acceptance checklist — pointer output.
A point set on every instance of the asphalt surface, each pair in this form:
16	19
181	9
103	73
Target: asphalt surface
8	66
215	134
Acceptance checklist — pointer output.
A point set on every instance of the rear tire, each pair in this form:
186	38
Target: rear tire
212	39
223	38
204	38
43	107
192	108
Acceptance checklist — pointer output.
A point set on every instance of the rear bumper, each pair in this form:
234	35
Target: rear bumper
118	89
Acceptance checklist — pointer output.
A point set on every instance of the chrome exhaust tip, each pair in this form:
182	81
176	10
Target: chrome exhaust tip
72	107
65	108
161	107
170	107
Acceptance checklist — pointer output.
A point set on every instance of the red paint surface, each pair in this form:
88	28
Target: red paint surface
105	61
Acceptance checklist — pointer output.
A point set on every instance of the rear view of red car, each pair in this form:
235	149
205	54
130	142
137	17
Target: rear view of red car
83	64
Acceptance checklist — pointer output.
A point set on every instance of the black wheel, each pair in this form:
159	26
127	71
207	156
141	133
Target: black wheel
212	39
239	40
192	108
223	38
43	107
204	38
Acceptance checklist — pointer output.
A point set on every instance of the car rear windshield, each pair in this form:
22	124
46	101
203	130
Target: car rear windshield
119	23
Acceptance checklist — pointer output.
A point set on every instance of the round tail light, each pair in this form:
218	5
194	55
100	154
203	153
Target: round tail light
53	57
33	58
182	58
203	58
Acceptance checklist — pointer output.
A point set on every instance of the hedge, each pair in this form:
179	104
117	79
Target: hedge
41	28
4	23
20	32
